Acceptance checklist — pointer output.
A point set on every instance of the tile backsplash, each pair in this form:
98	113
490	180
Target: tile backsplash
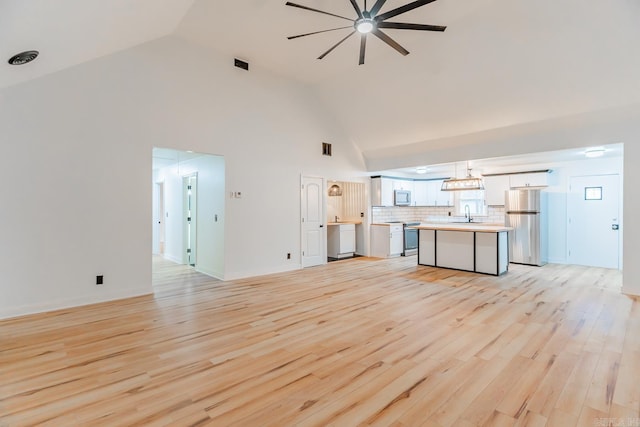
495	214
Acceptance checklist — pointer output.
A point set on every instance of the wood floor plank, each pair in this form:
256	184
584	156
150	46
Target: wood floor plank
355	342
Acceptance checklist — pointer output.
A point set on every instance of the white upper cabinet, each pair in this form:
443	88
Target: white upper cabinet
423	192
442	198
529	179
494	189
420	193
382	191
402	184
429	193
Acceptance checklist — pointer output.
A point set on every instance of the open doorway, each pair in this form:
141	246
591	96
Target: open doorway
189	206
346	220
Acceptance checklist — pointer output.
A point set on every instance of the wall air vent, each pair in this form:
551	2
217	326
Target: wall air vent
24	57
241	64
326	149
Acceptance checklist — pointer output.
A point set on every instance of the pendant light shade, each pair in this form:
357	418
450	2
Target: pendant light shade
462	184
335	190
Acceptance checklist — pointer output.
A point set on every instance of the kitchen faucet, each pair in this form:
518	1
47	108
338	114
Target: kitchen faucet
337	219
467	213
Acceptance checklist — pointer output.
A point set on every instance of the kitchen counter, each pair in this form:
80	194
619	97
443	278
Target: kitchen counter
345	222
480	248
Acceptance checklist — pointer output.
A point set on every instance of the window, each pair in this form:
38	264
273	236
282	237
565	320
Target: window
472	198
593	193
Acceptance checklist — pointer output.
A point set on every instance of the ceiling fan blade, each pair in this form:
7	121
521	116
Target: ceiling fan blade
363	46
402	9
356	7
336	45
318	32
388	40
403	26
376	7
316	10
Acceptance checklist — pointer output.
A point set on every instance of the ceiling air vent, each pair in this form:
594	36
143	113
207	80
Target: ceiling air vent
241	64
23	57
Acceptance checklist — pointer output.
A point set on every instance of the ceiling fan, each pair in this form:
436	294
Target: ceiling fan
368	21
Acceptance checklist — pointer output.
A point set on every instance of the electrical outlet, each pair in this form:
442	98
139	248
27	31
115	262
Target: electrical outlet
99	280
288	255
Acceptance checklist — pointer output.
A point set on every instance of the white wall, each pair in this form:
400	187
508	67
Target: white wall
75	187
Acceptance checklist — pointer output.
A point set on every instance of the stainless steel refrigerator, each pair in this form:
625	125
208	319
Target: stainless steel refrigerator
526	213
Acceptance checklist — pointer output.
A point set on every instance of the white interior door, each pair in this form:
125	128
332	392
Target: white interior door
314	235
593	221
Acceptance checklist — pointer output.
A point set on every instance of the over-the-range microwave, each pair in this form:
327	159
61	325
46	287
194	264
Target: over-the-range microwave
402	198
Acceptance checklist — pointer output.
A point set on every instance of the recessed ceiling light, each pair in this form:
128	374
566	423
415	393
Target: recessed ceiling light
23	57
421	170
594	152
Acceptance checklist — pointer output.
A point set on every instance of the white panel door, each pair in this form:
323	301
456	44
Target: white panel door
593	222
314	233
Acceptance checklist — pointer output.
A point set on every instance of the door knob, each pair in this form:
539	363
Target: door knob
615	227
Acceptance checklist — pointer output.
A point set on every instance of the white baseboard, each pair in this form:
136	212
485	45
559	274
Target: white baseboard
173	259
214	274
24	310
235	275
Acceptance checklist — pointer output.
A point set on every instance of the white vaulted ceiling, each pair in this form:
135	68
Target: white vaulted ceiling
499	63
69	32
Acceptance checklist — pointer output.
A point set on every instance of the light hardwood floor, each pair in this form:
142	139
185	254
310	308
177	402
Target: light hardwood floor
356	342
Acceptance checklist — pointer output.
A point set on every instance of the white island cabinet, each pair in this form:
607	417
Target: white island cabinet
387	240
469	247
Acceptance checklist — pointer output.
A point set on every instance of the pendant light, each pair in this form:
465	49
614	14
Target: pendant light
462	184
335	190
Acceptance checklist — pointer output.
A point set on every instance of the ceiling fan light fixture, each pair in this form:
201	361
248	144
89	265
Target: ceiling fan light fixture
365	25
371	22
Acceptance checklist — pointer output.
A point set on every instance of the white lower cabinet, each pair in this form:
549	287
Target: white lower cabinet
427	247
387	240
455	250
478	251
341	240
492	254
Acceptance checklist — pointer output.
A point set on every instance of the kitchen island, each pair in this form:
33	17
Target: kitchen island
470	247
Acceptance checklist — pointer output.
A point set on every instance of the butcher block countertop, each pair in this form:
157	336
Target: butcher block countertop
467	226
344	222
